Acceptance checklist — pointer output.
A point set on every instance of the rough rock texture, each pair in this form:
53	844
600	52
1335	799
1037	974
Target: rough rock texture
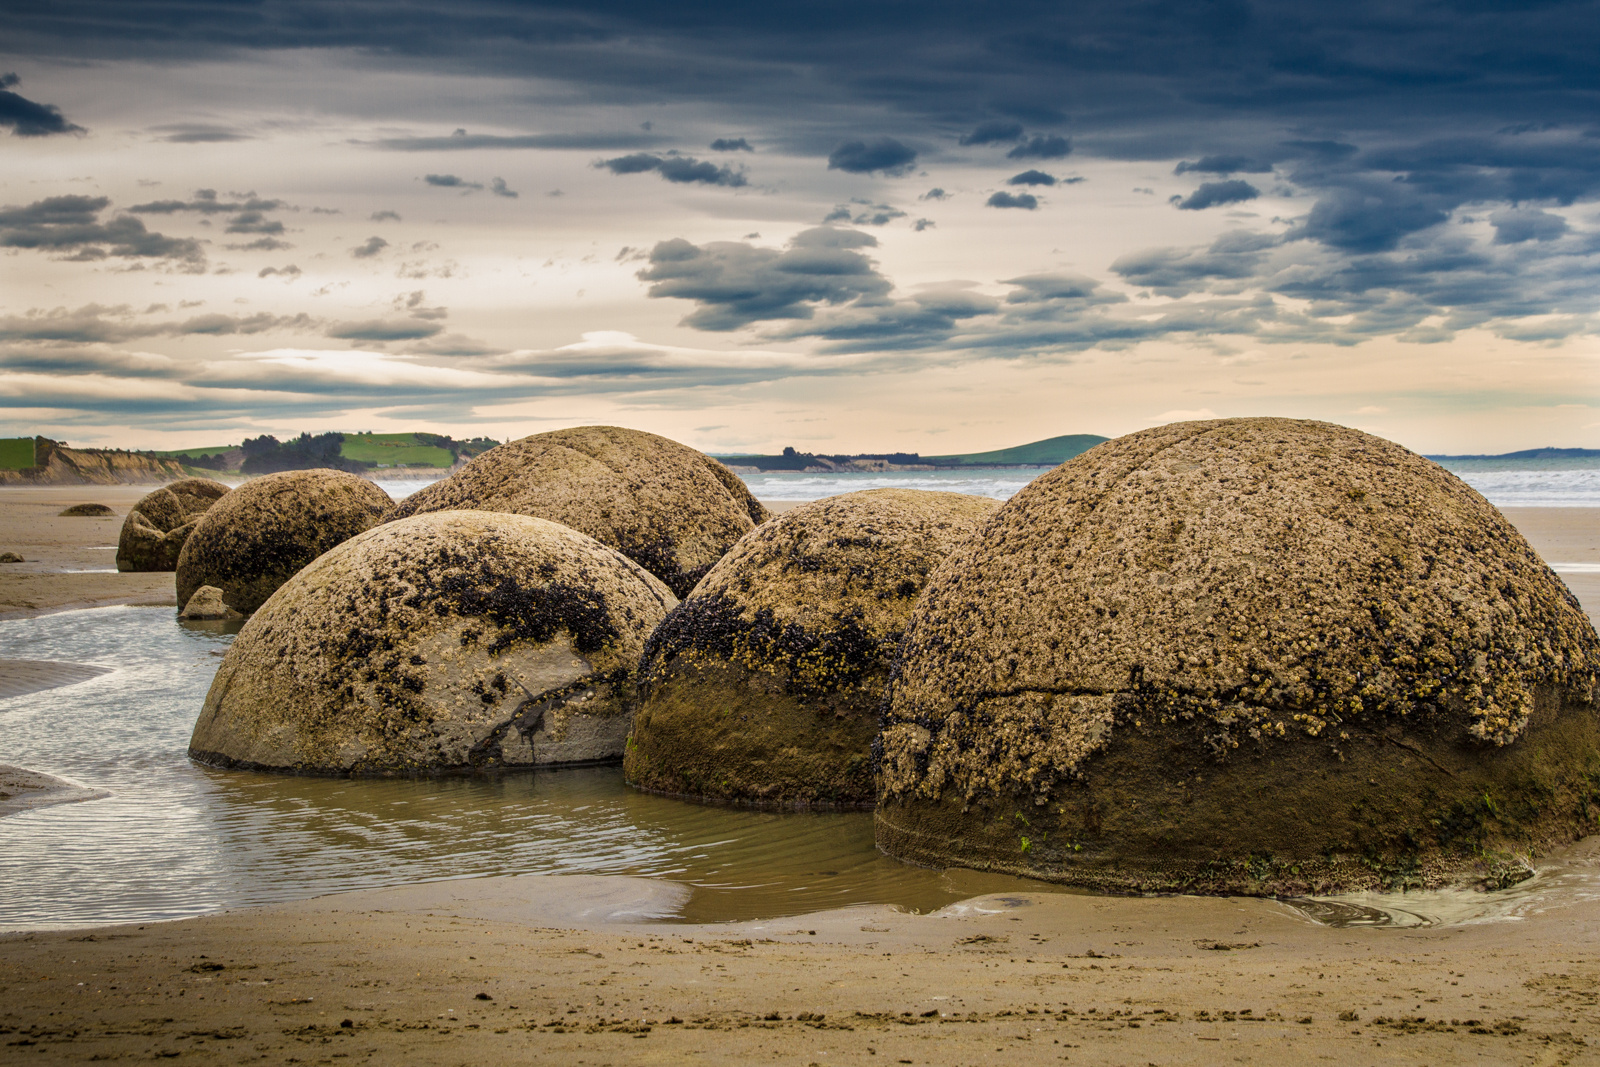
764	686
207	603
453	641
11	557
254	538
1253	655
155	530
672	510
88	511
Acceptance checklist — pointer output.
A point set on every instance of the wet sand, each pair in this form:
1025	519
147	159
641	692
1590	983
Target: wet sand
70	562
564	969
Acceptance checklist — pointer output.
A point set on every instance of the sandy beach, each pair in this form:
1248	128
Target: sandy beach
569	969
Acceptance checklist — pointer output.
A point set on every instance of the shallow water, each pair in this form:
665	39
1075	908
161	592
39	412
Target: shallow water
176	839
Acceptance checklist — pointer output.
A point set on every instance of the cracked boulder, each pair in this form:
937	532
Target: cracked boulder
155	530
447	642
672	510
764	686
1243	656
258	535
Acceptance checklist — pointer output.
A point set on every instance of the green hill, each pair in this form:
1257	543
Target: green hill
1051	451
16	453
395	450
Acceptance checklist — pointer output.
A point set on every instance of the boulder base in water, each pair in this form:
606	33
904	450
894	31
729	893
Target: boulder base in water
1253	655
672	510
207	605
453	641
253	539
764	686
155	530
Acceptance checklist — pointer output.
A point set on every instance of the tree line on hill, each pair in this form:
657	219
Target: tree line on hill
268	455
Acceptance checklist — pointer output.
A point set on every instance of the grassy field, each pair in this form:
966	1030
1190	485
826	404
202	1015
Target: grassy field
16	453
394	450
1050	451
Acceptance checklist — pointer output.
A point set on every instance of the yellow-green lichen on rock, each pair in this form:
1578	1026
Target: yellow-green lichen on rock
156	528
255	537
447	642
764	686
1246	655
671	509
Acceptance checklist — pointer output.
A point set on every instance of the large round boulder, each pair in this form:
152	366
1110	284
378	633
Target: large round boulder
461	640
672	510
155	530
253	539
1247	655
764	686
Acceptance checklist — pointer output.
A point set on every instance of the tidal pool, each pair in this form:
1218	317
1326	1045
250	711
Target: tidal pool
175	839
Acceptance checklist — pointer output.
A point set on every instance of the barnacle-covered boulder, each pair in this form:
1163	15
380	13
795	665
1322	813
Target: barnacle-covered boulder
764	686
253	539
1243	656
672	510
155	530
460	640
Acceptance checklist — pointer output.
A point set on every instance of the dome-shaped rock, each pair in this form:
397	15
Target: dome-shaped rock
451	641
254	538
764	686
1250	655
672	510
155	530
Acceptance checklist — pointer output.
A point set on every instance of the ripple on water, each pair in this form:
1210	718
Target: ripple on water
176	839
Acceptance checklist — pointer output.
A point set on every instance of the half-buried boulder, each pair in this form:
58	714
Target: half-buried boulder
1243	656
155	530
764	686
254	538
454	641
672	510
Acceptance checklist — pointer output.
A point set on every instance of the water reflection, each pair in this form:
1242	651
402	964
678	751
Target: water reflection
176	839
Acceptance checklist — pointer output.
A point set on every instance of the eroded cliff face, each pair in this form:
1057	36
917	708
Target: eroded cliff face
56	464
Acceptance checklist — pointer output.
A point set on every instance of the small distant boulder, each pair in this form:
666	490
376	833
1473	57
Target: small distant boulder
155	530
258	535
207	605
1257	656
11	557
764	686
672	510
453	641
88	511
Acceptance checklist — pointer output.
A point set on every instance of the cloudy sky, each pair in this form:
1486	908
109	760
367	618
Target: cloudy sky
843	227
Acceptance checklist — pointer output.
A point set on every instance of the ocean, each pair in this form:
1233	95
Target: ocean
1527	483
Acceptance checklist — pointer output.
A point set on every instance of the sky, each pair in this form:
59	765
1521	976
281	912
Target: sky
860	227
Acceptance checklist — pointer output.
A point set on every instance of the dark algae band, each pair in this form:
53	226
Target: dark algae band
1254	655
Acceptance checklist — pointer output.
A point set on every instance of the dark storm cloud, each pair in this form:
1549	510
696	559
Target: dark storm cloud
995	131
1031	177
864	213
498	187
674	168
1223	165
1041	146
1215	194
1177	272
253	222
72	224
1515	225
866	157
1026	201
731	144
369	248
26	118
98	324
737	284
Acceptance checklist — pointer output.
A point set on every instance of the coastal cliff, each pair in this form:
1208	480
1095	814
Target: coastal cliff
56	464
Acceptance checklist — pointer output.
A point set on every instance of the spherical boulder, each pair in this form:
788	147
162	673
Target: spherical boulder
155	530
671	509
1243	656
253	539
453	641
764	686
